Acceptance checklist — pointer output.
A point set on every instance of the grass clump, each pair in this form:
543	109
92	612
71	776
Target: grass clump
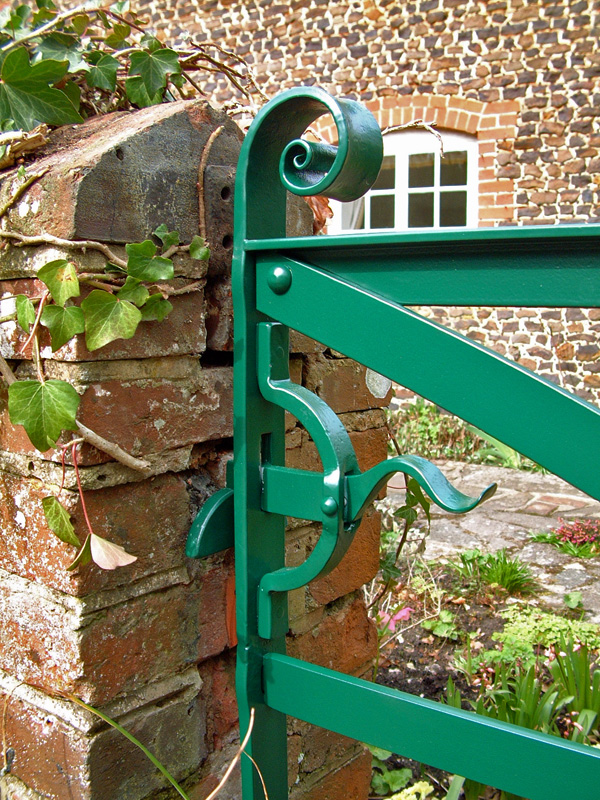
495	570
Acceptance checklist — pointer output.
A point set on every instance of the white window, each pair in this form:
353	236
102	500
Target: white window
415	187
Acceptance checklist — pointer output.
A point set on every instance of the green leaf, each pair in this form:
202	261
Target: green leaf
84	556
43	409
25	312
198	249
135	90
107	318
60	277
133	291
58	521
150	43
103	71
167	238
80	23
63	47
573	600
63	323
26	95
142	263
398	778
156	308
153	68
73	92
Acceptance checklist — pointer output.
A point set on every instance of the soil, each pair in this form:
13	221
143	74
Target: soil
420	663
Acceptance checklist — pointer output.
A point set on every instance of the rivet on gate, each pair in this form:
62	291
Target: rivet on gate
329	506
280	279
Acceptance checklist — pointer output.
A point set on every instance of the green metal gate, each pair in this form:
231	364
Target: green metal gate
325	287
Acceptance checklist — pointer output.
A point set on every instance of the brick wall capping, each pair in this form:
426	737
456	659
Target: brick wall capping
144	163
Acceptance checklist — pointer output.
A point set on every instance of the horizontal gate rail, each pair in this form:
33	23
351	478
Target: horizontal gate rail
518	760
550	266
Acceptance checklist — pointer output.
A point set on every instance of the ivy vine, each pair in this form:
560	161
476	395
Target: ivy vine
60	68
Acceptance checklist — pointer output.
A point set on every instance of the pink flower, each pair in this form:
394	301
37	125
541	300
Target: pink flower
390	621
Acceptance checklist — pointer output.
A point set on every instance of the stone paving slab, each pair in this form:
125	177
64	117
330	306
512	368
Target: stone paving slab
525	502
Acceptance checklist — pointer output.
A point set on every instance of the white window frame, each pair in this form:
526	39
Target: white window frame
401	145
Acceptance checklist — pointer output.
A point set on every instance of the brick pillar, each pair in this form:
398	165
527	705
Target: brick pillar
152	644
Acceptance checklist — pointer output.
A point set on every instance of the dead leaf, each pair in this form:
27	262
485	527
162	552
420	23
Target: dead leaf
108	555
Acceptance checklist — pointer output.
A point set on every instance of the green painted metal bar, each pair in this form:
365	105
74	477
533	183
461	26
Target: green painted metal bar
515	759
537	418
544	266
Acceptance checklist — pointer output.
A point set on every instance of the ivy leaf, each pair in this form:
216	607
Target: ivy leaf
156	308
135	90
80	23
60	277
150	43
84	556
133	291
26	95
198	249
63	323
63	47
103	71
107	318
167	238
108	555
153	68
43	409
118	38
58	521
143	265
25	312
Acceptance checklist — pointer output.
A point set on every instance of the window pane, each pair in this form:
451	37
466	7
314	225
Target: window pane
386	177
353	215
453	209
454	169
382	211
420	170
420	210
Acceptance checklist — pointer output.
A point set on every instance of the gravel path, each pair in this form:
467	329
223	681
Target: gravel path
525	502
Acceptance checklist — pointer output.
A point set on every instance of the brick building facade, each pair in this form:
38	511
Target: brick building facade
520	79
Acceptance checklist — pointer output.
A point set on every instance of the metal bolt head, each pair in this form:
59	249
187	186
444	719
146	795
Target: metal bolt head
279	279
329	506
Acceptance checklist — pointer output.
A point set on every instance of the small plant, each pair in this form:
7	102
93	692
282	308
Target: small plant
579	538
572	669
385	780
502	455
495	569
443	625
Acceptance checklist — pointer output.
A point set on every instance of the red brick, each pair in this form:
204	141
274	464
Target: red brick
216	605
350	782
99	655
218	689
359	565
153	528
341	384
345	640
171	403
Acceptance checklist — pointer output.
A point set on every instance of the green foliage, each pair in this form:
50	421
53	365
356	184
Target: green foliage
443	625
63	324
59	68
495	569
579	538
385	780
423	429
44	409
573	600
25	312
60	277
58	521
26	94
108	318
